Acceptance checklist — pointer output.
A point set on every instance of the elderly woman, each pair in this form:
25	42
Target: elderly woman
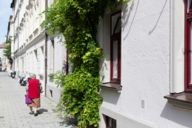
34	90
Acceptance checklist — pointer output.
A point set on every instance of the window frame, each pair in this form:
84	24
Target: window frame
187	47
113	37
110	122
183	99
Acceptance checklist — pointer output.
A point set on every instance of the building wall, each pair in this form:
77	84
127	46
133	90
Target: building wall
56	63
28	38
151	66
3	60
28	44
27	19
177	46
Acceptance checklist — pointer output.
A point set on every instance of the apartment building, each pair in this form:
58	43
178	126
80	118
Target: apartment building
34	51
146	69
3	59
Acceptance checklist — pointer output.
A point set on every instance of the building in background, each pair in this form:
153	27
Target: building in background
10	37
3	59
33	51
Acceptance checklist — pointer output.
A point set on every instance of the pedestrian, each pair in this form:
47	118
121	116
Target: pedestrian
33	92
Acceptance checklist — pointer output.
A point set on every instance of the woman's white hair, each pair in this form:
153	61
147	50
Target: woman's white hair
33	76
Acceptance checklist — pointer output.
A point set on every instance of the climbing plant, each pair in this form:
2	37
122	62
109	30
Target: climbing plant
77	20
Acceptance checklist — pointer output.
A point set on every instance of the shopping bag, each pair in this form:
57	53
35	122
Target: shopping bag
28	100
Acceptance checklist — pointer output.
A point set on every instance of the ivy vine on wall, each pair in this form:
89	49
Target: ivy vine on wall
77	20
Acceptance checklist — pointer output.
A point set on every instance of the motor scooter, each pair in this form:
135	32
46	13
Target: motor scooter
23	79
13	74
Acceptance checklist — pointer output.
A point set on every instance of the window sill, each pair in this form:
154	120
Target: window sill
182	100
112	85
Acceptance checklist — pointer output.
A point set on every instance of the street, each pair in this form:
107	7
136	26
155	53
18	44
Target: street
15	114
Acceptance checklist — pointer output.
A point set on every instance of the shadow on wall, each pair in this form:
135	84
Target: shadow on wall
177	115
158	19
126	16
130	14
110	95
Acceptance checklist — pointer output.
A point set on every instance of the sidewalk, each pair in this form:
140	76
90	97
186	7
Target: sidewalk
15	114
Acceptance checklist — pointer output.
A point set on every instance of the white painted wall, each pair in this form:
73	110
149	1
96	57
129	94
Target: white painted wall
56	54
3	59
152	66
1	53
29	38
152	62
56	59
177	46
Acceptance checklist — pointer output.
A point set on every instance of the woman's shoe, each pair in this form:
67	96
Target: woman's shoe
31	113
35	114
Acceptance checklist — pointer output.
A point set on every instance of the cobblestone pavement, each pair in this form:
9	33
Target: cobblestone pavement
15	114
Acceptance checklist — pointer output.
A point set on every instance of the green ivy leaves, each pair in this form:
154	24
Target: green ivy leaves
78	20
7	50
81	97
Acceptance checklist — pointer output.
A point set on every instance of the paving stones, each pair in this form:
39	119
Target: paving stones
15	114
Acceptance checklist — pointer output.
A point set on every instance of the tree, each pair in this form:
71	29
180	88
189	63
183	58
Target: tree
7	50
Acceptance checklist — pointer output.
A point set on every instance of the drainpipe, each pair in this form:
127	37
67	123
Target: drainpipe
46	40
67	62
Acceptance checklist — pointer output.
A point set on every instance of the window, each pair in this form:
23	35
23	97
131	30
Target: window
110	122
52	56
188	46
115	47
182	57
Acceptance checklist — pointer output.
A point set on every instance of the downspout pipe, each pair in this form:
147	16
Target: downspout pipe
67	62
46	41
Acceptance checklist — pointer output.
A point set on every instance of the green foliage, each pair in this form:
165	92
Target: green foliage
81	97
78	21
7	50
59	78
51	76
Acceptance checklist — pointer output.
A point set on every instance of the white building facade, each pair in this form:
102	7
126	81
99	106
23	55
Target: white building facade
146	69
32	49
3	59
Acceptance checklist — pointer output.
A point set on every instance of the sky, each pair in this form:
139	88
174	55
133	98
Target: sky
5	12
